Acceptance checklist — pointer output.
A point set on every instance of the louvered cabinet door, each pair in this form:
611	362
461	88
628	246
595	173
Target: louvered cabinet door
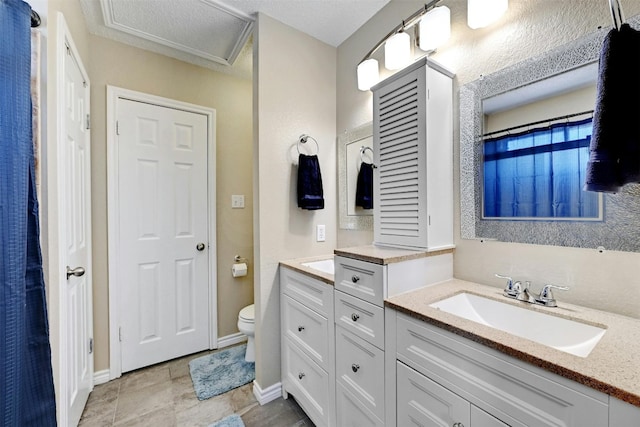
412	135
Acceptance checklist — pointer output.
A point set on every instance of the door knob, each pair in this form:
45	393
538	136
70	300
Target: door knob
200	247
78	271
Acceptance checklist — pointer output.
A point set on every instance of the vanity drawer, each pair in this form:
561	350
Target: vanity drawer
351	412
360	369
308	382
306	328
524	394
360	317
361	279
314	294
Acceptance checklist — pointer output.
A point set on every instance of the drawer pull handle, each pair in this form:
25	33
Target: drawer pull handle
355	278
355	317
300	328
301	375
355	367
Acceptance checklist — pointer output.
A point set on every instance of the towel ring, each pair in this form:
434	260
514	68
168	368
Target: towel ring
363	149
303	140
616	13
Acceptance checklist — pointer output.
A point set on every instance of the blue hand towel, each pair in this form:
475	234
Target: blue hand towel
614	158
364	186
310	193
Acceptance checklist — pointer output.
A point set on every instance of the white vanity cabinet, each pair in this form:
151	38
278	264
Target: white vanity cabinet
307	343
359	320
444	379
413	151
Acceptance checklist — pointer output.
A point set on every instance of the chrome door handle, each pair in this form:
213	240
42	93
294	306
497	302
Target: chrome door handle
200	247
78	271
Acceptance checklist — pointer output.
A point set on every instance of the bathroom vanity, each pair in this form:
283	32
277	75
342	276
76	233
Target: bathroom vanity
391	359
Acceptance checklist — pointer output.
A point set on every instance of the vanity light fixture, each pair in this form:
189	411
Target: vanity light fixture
435	28
481	13
368	74
397	51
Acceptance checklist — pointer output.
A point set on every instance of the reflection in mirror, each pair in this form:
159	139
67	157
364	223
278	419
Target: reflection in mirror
350	157
536	147
526	93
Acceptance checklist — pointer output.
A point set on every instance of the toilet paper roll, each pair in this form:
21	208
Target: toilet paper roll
239	269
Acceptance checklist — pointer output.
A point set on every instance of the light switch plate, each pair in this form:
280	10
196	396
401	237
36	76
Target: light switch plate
237	201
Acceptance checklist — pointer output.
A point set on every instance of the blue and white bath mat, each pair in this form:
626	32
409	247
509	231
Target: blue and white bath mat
233	420
219	372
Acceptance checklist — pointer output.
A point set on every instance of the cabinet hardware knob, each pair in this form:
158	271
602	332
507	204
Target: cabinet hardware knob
458	425
355	317
355	278
300	328
355	367
301	375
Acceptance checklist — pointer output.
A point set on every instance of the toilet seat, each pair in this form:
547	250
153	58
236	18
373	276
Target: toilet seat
247	314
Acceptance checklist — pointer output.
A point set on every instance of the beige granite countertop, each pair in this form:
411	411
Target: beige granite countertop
385	255
296	264
613	366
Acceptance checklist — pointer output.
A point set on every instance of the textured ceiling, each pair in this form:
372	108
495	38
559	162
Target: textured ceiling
216	34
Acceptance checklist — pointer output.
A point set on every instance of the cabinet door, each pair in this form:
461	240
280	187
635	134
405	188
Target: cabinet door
399	140
360	369
423	402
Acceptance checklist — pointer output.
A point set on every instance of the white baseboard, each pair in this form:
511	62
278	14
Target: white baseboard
232	339
267	395
101	377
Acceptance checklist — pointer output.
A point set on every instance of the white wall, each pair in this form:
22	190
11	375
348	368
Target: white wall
294	93
608	281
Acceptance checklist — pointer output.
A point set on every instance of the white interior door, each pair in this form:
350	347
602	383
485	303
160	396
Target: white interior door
163	262
76	198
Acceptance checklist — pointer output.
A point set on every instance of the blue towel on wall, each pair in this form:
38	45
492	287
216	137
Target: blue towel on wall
614	158
310	193
364	186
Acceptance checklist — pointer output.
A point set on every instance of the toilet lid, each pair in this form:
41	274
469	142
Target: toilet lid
248	313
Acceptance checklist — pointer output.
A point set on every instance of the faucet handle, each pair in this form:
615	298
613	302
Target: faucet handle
509	291
546	295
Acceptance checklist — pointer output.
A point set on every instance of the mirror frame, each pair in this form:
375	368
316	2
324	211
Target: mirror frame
618	231
346	221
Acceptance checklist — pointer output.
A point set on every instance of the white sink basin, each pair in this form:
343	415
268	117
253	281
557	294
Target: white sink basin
562	334
325	265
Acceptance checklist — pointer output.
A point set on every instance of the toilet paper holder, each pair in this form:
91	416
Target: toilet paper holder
239	268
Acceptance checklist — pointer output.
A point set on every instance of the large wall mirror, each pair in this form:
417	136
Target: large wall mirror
354	147
557	85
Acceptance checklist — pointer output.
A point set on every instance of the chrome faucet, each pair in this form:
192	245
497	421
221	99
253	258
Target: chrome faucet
521	292
546	296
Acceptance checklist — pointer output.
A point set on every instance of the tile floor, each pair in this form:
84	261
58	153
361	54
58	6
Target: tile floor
162	396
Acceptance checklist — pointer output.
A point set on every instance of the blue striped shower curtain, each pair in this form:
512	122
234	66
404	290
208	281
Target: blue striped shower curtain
26	382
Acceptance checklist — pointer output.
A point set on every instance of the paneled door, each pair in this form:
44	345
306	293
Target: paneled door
163	245
75	197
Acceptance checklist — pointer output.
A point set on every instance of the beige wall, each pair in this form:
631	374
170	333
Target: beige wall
112	63
294	83
607	281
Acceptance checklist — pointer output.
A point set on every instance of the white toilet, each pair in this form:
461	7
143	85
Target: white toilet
246	325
